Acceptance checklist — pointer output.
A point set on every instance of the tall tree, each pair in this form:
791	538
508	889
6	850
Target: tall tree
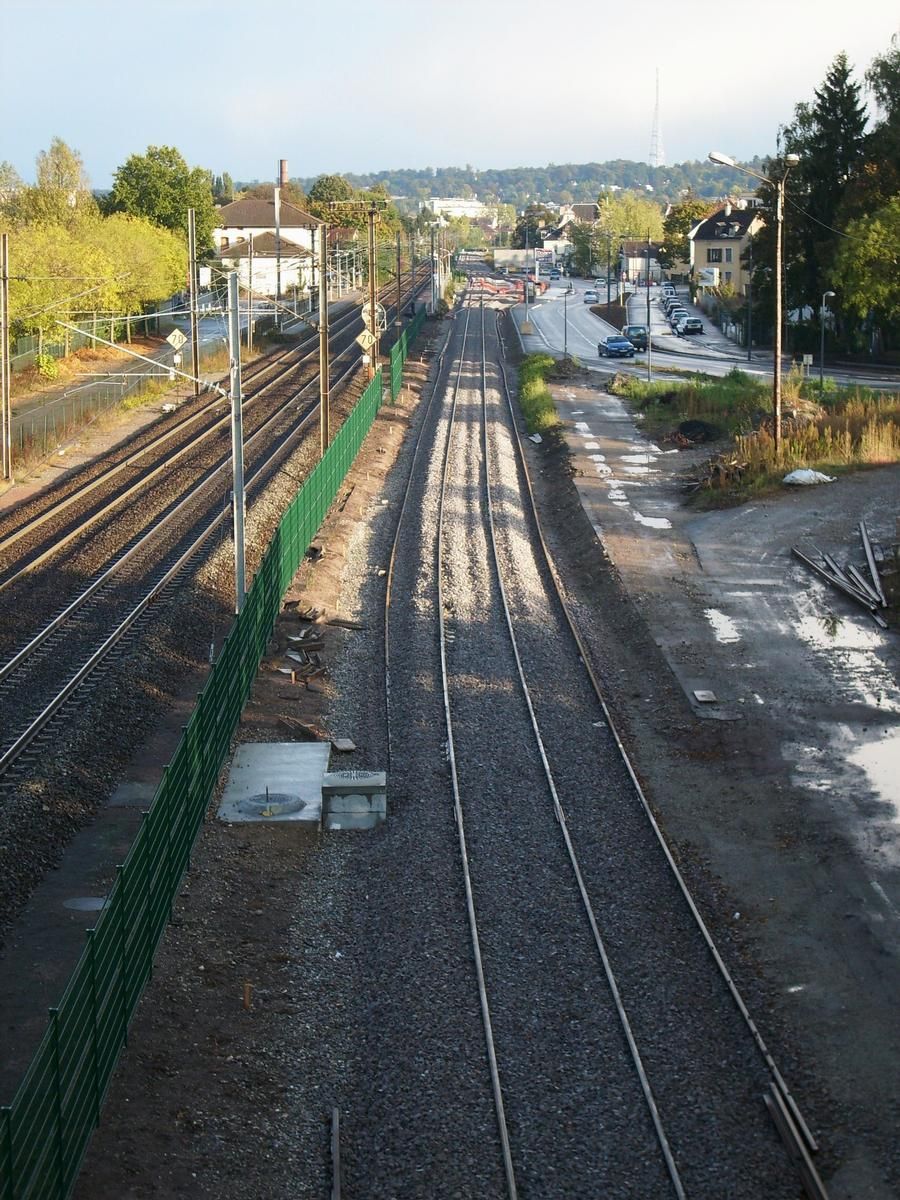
867	271
535	219
160	186
678	223
828	135
10	181
61	169
326	190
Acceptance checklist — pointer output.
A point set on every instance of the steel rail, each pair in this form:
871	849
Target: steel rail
13	752
346	321
738	999
560	812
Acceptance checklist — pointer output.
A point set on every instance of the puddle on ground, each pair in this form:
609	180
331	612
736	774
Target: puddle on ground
723	627
598	457
880	759
652	522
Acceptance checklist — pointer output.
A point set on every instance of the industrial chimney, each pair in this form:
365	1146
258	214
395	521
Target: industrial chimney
282	172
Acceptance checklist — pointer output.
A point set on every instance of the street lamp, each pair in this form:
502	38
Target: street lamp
825	296
790	160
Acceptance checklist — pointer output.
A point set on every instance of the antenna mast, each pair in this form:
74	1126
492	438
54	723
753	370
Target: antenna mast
657	153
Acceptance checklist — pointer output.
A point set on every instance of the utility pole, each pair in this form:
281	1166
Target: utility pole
277	195
5	373
373	270
412	266
324	383
433	277
750	305
237	439
250	289
649	338
192	289
398	320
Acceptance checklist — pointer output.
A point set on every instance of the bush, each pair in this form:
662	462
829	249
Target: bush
46	366
535	400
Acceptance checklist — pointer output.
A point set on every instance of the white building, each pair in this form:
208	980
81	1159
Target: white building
459	206
255	218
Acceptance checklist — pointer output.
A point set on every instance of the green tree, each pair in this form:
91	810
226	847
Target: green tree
630	215
61	169
879	178
151	262
160	186
679	221
55	274
828	136
867	270
328	189
10	182
531	225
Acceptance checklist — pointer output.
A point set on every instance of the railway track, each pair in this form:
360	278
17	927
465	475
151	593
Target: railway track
61	516
43	675
609	1019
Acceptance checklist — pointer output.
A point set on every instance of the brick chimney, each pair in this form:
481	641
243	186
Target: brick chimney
282	172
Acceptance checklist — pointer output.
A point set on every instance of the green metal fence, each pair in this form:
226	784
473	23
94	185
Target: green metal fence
400	350
45	1131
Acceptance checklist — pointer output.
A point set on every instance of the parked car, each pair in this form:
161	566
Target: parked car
615	346
637	335
689	325
554	274
668	289
591	297
671	302
676	315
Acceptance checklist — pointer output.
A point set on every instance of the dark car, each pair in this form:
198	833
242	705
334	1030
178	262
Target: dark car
615	346
637	335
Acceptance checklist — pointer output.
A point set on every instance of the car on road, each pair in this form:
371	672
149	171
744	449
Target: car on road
676	315
689	325
615	346
554	274
591	297
637	335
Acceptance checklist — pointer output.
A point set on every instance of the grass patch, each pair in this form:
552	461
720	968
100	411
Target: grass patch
834	430
534	396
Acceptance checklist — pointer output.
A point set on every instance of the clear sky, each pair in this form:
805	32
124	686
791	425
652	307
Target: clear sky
353	86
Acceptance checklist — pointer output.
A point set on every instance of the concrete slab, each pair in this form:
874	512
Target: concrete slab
275	781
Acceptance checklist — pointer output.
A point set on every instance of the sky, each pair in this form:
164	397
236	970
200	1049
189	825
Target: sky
348	86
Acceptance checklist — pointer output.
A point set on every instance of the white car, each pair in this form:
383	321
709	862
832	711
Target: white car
591	297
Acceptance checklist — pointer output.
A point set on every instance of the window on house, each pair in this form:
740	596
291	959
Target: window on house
728	277
728	253
224	245
714	255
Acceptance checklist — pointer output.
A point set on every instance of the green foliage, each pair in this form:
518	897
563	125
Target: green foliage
678	223
46	366
535	400
326	190
866	267
61	195
531	226
630	215
521	186
160	186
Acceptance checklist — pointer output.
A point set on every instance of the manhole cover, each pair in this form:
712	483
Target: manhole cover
272	804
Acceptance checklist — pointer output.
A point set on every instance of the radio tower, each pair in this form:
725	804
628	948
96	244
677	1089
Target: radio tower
657	153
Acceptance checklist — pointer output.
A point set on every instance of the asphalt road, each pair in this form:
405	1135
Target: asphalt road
564	323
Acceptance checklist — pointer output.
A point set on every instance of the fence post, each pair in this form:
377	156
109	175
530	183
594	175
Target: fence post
54	1025
95	1049
120	875
9	1190
148	932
